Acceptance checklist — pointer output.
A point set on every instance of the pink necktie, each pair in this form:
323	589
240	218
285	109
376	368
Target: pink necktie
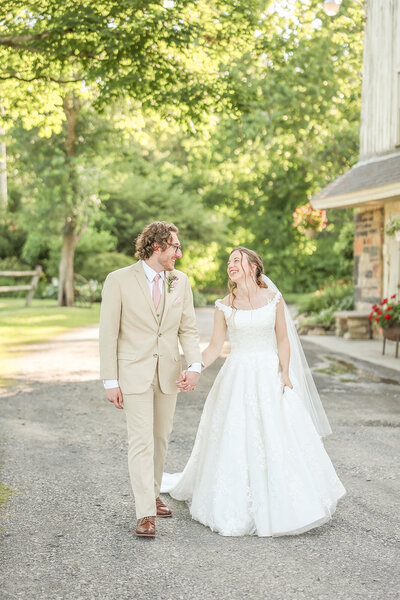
156	290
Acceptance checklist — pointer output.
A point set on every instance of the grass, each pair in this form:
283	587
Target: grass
21	326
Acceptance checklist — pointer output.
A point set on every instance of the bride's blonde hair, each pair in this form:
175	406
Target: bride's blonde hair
253	259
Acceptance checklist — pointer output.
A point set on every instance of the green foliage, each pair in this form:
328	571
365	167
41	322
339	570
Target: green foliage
166	58
297	130
319	307
199	299
336	296
12	238
344	248
393	226
205	124
86	292
97	266
324	318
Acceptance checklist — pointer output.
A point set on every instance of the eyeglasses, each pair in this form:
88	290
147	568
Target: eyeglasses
178	247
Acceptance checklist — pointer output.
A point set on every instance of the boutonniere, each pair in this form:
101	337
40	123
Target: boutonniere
172	280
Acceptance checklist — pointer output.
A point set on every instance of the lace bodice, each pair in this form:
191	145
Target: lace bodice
251	330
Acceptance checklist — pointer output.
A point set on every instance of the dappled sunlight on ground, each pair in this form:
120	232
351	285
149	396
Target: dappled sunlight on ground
71	356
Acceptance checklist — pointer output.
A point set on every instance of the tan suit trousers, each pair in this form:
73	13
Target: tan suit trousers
149	418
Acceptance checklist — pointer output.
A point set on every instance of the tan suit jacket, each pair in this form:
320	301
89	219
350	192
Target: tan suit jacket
134	340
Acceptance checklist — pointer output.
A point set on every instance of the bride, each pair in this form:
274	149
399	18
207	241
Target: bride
258	465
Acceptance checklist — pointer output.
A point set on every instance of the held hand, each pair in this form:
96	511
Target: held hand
286	382
114	395
188	381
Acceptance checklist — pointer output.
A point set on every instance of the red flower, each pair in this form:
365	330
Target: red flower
377	319
383	301
370	317
388	316
389	307
379	312
394	296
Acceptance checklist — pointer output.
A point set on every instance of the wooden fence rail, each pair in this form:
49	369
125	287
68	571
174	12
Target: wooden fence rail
30	288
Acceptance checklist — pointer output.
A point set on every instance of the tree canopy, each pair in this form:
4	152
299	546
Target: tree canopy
221	116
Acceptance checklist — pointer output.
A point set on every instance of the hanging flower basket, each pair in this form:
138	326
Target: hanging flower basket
309	221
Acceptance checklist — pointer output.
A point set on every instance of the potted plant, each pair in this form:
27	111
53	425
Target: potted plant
309	221
386	315
393	228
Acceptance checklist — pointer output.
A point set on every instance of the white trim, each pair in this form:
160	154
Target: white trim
375	158
376	195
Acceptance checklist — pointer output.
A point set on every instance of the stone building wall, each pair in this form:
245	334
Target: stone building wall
368	260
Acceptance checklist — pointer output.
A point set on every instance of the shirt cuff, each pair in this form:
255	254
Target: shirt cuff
195	367
110	383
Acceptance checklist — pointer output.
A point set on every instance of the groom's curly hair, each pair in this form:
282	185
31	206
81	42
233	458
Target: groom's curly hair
158	232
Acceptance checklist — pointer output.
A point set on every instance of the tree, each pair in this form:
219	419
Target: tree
166	55
295	128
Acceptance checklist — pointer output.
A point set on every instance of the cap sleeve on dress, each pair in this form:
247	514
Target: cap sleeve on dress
223	307
276	298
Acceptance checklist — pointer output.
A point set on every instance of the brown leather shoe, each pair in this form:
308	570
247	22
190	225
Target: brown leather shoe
146	527
162	509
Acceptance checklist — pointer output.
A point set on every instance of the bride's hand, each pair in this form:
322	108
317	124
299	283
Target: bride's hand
286	382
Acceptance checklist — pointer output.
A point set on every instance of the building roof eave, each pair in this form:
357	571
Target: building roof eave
372	180
372	197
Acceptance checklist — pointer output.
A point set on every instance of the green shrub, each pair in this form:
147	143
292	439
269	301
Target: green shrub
336	296
324	317
47	290
321	306
85	292
97	266
199	299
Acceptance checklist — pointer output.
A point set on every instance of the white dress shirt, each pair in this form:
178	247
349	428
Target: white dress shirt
150	274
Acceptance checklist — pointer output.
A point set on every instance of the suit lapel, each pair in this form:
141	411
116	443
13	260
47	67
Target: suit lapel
169	296
143	283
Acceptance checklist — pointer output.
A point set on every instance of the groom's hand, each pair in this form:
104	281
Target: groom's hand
114	395
188	381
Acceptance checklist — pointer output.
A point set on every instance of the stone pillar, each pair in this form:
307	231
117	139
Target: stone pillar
368	260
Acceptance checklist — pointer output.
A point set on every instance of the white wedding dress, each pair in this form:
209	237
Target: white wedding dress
258	465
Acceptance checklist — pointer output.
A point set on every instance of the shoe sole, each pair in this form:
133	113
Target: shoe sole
164	516
145	534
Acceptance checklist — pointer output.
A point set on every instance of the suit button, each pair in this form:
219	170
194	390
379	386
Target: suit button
155	355
159	335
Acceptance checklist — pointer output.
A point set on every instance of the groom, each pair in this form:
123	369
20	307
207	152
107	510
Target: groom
146	309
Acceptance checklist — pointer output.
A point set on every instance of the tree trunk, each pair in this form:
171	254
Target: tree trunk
72	230
66	270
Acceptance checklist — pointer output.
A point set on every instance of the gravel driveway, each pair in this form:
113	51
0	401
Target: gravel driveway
68	528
